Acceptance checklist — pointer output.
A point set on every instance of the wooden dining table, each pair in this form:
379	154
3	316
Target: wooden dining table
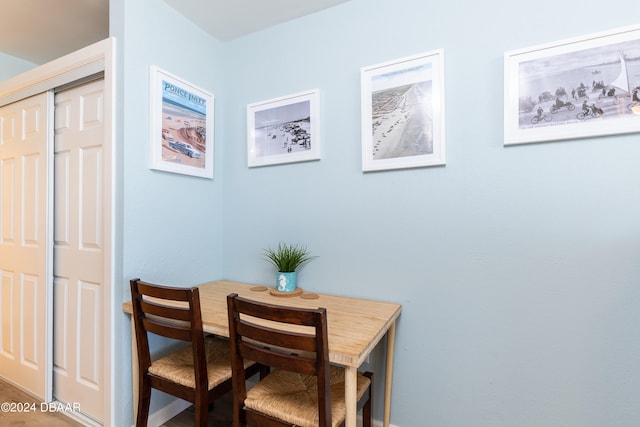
355	327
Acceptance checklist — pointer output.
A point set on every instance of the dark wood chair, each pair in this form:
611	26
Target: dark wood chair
198	373
303	389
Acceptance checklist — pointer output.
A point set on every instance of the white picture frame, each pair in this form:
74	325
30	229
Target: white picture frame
284	130
403	113
546	87
181	118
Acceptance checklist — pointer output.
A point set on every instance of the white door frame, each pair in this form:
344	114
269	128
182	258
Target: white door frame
86	62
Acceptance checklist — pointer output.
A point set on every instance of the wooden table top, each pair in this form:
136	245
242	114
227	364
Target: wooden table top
355	325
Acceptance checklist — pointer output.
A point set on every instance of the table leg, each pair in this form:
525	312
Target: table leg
391	338
350	395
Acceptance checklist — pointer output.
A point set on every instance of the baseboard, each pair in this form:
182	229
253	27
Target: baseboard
167	412
82	419
375	423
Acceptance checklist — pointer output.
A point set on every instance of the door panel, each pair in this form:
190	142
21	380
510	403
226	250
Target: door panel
79	249
90	300
24	245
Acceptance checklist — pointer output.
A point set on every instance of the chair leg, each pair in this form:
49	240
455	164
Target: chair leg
366	414
202	415
264	371
144	399
239	417
201	409
366	409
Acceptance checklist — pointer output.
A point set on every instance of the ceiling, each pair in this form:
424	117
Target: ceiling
228	19
41	30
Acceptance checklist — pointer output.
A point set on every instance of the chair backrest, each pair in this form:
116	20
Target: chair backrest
171	312
278	344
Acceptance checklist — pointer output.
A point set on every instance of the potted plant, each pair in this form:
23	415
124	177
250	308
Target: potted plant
287	258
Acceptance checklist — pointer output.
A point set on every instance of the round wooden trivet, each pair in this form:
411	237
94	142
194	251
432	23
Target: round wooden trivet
277	293
309	295
259	289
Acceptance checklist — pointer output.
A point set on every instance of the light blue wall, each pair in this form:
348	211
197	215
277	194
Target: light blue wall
173	222
517	267
169	226
11	66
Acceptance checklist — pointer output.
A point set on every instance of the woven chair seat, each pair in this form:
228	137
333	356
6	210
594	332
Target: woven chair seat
178	366
293	397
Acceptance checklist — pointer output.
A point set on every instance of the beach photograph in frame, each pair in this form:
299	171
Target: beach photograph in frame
283	130
403	113
181	126
576	88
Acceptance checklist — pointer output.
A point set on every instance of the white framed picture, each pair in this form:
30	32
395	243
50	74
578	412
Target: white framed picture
283	130
181	126
403	113
581	87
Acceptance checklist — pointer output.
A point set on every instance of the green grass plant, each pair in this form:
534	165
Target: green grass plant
288	257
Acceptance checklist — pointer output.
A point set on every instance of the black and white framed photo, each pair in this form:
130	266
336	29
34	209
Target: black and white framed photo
181	126
283	130
403	113
576	88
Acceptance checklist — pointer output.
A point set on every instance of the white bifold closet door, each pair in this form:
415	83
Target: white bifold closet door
78	374
25	244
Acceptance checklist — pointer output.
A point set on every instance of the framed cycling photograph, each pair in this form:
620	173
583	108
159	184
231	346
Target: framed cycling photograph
403	113
181	126
582	87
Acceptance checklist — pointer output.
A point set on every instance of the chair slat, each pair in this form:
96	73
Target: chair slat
166	292
167	330
161	310
291	315
277	337
279	360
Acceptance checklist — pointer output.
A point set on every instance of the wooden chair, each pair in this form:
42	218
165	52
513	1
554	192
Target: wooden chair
198	373
303	390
